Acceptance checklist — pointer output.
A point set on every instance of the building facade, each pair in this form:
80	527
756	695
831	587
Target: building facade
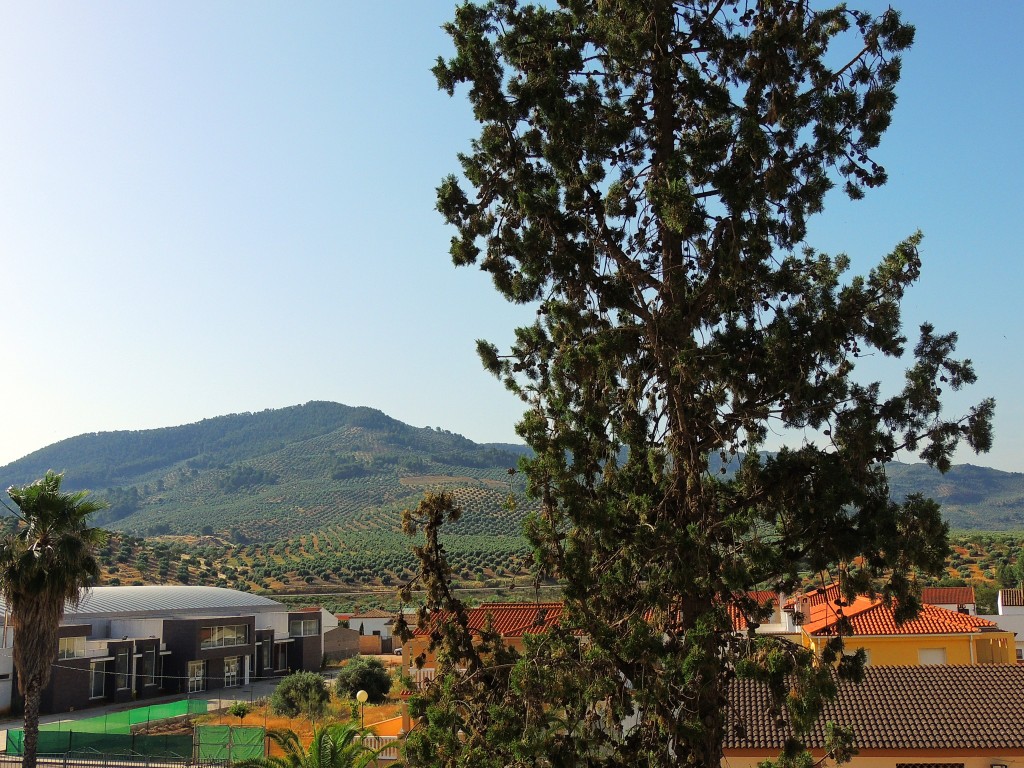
128	643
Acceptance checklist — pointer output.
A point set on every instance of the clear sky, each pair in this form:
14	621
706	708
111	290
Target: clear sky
209	208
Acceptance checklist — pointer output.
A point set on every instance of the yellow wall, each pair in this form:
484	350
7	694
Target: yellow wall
903	650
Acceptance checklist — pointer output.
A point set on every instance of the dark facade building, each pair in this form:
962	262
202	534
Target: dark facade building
130	643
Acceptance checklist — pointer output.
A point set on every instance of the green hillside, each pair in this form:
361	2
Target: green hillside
972	498
311	497
267	476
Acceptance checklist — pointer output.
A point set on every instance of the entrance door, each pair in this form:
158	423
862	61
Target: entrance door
196	676
231	672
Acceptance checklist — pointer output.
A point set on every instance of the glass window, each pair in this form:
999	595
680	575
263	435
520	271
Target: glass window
149	666
121	670
196	676
97	679
268	645
71	648
303	627
224	636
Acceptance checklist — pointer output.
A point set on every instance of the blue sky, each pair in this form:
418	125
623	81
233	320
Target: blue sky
208	208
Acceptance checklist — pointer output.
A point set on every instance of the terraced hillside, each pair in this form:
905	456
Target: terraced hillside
311	497
270	476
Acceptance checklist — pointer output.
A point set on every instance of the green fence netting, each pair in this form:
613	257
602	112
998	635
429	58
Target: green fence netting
229	742
111	733
63	742
121	722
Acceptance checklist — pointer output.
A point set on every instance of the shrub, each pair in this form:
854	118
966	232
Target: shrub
300	693
364	673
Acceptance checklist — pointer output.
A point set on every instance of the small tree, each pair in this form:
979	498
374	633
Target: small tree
300	693
240	709
364	674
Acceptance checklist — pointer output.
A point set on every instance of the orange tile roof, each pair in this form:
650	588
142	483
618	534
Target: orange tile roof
873	617
374	613
762	597
948	595
816	596
508	619
1012	597
941	707
518	619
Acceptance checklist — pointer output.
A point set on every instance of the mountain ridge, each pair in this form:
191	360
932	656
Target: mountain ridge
256	471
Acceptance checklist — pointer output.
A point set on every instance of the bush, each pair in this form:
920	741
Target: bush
300	693
363	673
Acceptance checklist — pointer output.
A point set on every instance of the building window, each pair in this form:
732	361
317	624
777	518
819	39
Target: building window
149	666
282	656
224	637
1020	654
121	670
932	656
196	676
303	627
97	679
71	648
231	672
267	647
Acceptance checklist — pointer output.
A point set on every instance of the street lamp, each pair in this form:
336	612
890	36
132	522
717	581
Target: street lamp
361	697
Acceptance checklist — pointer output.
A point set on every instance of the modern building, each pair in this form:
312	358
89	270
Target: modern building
127	643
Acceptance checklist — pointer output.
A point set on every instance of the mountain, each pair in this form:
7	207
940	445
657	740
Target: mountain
290	471
274	474
972	497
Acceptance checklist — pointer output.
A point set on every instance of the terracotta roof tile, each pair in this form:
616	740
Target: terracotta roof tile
509	619
1012	597
924	707
762	597
816	596
374	613
873	617
948	595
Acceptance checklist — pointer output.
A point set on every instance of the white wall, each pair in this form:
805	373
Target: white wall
382	626
134	628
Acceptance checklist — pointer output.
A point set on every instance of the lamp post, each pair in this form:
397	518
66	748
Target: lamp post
361	697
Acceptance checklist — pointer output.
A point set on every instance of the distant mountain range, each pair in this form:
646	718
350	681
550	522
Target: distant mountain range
288	472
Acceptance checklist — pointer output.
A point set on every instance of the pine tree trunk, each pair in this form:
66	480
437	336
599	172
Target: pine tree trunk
33	695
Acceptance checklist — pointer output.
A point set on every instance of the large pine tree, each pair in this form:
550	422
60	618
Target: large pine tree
643	175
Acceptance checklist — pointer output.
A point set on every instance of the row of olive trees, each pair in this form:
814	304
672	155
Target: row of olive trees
49	559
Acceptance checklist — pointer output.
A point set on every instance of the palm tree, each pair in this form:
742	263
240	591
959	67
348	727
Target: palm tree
333	746
47	562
